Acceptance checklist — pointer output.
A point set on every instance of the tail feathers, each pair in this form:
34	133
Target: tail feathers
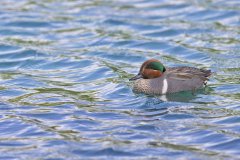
207	73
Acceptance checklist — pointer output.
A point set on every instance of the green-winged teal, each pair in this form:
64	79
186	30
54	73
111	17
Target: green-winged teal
154	78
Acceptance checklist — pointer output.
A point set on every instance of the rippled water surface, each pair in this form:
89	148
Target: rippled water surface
64	70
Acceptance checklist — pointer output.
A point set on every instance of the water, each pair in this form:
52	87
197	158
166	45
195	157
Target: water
64	89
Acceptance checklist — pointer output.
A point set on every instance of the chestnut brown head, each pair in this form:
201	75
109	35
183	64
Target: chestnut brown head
150	69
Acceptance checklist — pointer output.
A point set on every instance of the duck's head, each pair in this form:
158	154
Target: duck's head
150	69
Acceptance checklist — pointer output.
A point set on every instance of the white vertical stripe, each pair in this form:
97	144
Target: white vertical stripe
165	86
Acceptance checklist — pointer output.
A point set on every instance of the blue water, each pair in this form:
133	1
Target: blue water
64	70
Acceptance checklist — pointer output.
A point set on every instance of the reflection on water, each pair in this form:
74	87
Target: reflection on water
64	70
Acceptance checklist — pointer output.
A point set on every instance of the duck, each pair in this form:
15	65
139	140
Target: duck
154	78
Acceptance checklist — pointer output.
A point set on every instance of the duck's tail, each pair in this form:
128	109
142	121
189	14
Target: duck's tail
206	73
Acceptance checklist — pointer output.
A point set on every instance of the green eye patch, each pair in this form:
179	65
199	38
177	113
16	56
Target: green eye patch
156	66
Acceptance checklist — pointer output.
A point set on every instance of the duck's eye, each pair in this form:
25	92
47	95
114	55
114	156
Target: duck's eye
156	66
